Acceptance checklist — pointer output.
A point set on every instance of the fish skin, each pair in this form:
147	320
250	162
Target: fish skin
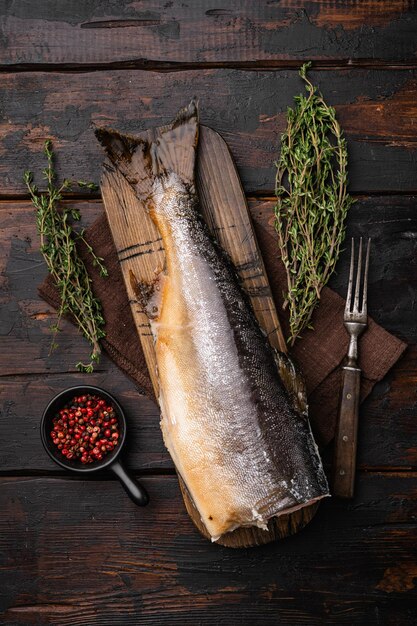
239	441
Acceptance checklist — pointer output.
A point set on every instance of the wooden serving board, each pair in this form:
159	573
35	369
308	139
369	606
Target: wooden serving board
139	248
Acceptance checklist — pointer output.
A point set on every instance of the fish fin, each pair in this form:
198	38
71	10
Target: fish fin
175	148
293	381
148	293
128	153
141	160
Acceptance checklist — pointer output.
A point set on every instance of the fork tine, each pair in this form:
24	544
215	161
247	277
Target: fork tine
349	292
358	278
365	280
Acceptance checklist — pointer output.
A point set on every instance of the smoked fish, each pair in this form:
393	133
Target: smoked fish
233	411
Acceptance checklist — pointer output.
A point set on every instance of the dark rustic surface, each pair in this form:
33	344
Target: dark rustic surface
165	34
375	107
78	552
70	565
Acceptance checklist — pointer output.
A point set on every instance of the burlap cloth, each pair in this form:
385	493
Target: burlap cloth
319	353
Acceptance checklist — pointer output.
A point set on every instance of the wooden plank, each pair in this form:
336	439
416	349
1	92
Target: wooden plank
65	562
376	109
135	237
205	32
224	208
30	378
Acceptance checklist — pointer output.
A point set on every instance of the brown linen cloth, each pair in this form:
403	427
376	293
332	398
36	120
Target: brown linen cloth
319	353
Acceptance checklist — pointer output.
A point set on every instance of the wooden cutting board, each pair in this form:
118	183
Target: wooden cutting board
139	248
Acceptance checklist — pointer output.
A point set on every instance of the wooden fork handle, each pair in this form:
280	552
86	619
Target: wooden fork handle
346	434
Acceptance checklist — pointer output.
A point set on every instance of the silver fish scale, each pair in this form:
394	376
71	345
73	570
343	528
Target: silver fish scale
246	421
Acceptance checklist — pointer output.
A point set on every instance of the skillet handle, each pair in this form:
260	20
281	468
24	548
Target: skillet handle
134	490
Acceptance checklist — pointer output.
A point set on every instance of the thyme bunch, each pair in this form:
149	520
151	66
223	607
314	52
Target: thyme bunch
58	240
312	201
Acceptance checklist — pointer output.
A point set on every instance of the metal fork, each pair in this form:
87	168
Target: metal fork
355	321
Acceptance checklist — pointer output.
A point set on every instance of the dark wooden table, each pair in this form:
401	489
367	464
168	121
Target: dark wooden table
77	552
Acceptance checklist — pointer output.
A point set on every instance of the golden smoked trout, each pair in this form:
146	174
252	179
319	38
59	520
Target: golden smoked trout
232	410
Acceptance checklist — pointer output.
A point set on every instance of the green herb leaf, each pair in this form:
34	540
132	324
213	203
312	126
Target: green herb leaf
312	201
57	245
85	185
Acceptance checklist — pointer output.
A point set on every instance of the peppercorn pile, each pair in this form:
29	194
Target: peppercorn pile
86	429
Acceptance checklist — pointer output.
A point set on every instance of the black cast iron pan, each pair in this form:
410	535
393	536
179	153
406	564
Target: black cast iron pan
111	461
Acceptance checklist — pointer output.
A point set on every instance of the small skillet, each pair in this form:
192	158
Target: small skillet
111	461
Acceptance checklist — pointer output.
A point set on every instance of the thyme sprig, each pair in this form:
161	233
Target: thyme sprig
58	240
312	201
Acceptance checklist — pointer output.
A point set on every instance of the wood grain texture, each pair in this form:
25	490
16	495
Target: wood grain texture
139	248
377	110
205	32
225	209
65	561
29	377
346	436
138	243
355	563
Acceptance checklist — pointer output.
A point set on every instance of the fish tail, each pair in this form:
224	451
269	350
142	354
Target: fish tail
157	154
